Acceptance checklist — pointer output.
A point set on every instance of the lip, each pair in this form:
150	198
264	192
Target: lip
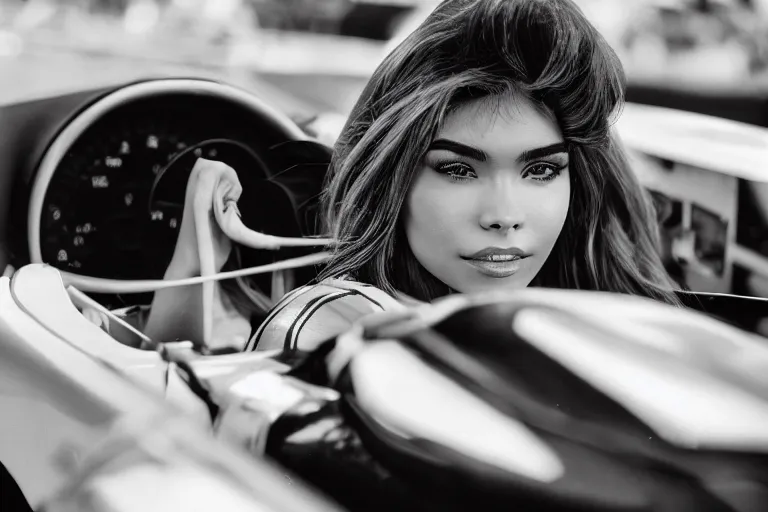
496	261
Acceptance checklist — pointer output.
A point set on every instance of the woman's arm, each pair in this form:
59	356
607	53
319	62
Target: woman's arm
175	312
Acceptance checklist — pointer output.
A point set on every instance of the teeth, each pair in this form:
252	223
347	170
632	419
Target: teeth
501	257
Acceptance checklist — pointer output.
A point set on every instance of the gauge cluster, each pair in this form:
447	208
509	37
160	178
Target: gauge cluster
97	218
94	203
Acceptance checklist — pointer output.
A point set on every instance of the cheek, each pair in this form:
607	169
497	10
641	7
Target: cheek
549	209
435	212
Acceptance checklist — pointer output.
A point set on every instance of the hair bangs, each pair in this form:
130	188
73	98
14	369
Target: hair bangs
545	48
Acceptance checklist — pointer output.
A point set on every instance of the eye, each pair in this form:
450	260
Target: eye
543	171
457	171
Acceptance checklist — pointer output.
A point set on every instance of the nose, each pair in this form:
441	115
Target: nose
500	209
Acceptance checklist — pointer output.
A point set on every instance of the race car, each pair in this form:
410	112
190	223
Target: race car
546	399
95	187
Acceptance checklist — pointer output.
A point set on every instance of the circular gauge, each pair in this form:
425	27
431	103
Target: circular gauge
90	210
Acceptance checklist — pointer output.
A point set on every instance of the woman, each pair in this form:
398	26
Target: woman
480	156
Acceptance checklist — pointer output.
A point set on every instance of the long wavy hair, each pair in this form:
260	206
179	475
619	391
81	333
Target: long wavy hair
544	50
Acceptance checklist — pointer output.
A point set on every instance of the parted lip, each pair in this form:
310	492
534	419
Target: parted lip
490	252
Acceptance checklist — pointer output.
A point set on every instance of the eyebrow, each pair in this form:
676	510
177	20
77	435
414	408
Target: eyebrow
480	156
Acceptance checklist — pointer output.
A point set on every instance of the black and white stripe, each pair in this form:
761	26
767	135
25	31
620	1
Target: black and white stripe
253	342
309	309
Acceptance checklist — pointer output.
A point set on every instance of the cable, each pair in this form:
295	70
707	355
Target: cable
82	301
101	285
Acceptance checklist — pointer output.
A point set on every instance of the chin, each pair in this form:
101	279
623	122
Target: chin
482	283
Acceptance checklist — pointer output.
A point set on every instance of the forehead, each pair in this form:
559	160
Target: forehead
508	122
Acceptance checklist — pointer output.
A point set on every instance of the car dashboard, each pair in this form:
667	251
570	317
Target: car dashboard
84	174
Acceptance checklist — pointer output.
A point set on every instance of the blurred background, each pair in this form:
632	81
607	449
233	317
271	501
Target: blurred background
680	53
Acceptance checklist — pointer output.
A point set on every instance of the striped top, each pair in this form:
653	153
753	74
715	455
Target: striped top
311	314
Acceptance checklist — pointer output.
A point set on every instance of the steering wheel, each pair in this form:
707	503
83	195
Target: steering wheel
282	128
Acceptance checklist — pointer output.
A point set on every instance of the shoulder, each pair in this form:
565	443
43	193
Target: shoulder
312	314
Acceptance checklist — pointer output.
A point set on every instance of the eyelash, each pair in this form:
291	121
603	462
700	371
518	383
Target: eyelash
556	170
445	168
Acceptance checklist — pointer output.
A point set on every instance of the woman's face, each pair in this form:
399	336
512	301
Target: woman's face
491	197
